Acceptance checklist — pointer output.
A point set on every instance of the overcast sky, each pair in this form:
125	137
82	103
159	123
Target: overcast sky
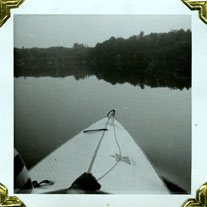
65	30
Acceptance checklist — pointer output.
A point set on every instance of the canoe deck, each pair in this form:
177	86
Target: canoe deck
120	166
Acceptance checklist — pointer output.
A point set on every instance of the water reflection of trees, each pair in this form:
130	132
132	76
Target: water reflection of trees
156	60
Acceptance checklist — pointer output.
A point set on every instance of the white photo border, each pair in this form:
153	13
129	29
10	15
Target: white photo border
199	98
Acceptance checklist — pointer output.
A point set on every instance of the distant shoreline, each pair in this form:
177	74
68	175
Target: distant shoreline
157	59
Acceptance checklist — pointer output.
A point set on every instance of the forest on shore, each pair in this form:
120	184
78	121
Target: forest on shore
156	60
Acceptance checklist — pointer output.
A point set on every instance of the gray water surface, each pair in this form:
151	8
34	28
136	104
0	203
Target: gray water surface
50	111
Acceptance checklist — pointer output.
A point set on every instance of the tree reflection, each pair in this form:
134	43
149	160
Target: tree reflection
156	60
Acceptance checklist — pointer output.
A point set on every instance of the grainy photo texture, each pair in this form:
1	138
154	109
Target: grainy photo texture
102	104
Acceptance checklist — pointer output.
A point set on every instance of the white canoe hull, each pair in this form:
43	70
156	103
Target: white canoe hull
120	165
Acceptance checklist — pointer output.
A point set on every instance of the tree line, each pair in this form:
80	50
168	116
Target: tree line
156	60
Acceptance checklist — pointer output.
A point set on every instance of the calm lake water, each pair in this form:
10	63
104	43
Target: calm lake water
50	111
